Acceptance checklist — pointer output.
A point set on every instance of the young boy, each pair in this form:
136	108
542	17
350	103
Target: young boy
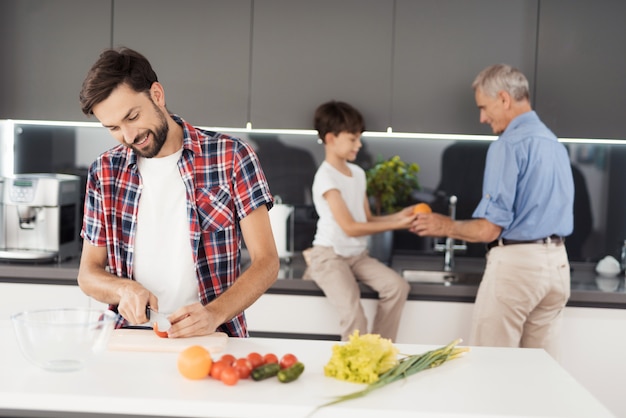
339	257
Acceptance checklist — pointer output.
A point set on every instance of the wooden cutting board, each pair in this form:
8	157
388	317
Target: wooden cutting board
147	340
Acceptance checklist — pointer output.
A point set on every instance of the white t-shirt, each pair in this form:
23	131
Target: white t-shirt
163	261
352	189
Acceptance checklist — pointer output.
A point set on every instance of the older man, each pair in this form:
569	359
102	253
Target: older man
525	212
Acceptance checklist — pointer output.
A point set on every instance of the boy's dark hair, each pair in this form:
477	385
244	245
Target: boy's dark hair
337	117
115	67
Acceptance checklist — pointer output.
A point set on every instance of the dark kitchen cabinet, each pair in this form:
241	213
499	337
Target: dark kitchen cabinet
407	64
581	68
200	51
440	46
47	48
306	53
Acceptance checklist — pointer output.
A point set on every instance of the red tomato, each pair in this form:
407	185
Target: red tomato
217	368
243	367
255	360
270	358
287	361
229	376
162	334
228	358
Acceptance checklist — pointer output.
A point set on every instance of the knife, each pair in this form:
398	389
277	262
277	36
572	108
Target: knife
161	319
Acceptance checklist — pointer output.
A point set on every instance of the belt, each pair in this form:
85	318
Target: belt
554	239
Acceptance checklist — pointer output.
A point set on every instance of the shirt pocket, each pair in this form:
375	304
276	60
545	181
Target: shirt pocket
215	211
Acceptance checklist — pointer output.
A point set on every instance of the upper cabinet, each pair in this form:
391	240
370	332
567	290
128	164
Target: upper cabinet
47	47
440	47
581	68
406	64
200	51
307	53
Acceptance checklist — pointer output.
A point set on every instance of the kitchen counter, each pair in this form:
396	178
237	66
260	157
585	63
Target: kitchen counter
588	289
64	273
492	382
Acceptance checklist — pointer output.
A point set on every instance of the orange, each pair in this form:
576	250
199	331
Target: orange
421	208
194	362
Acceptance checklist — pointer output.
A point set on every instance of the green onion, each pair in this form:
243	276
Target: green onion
407	366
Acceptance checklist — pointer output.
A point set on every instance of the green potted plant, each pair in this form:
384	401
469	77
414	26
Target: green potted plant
390	184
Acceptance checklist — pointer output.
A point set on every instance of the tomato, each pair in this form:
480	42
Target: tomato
287	361
270	358
229	376
162	334
243	367
255	360
217	368
194	362
229	359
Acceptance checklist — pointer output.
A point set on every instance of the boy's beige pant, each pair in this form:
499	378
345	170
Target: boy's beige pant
338	277
521	297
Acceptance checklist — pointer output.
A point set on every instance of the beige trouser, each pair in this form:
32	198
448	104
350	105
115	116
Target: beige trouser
338	277
521	297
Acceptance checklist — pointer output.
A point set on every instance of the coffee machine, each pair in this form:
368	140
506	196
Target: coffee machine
40	217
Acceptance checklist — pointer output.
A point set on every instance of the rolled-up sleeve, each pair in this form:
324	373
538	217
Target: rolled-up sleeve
499	185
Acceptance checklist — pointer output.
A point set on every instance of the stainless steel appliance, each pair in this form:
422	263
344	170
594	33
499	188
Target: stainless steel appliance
40	219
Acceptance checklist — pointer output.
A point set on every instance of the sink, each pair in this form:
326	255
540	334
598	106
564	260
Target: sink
446	278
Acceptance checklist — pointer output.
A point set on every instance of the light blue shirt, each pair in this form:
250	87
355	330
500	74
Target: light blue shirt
528	188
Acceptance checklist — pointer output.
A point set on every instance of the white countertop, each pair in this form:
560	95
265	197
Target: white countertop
490	382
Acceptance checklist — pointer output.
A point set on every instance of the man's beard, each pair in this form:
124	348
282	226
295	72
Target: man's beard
158	138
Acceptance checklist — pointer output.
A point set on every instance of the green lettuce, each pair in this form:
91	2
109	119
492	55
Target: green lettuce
362	359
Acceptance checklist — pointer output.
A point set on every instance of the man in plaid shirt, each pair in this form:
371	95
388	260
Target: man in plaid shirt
166	210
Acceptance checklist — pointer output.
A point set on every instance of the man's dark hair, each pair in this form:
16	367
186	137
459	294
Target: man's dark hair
337	117
115	67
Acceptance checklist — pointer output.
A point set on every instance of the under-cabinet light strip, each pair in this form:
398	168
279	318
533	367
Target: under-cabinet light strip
367	134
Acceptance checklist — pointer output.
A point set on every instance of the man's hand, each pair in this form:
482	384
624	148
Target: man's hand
432	225
193	320
437	225
133	301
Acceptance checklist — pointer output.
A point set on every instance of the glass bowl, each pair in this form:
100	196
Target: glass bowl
63	339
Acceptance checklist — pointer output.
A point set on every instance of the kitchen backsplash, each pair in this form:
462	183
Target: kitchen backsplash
290	159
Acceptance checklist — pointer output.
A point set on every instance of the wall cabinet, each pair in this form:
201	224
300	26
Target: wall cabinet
441	46
47	48
581	66
307	53
404	63
199	50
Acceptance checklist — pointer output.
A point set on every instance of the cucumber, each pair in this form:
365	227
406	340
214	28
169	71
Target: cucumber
292	373
265	371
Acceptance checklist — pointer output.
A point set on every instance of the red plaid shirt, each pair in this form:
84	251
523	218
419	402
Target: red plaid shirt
224	183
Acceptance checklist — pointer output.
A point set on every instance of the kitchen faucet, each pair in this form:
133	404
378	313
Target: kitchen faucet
449	246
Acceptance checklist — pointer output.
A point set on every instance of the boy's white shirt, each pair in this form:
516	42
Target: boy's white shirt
352	189
163	261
